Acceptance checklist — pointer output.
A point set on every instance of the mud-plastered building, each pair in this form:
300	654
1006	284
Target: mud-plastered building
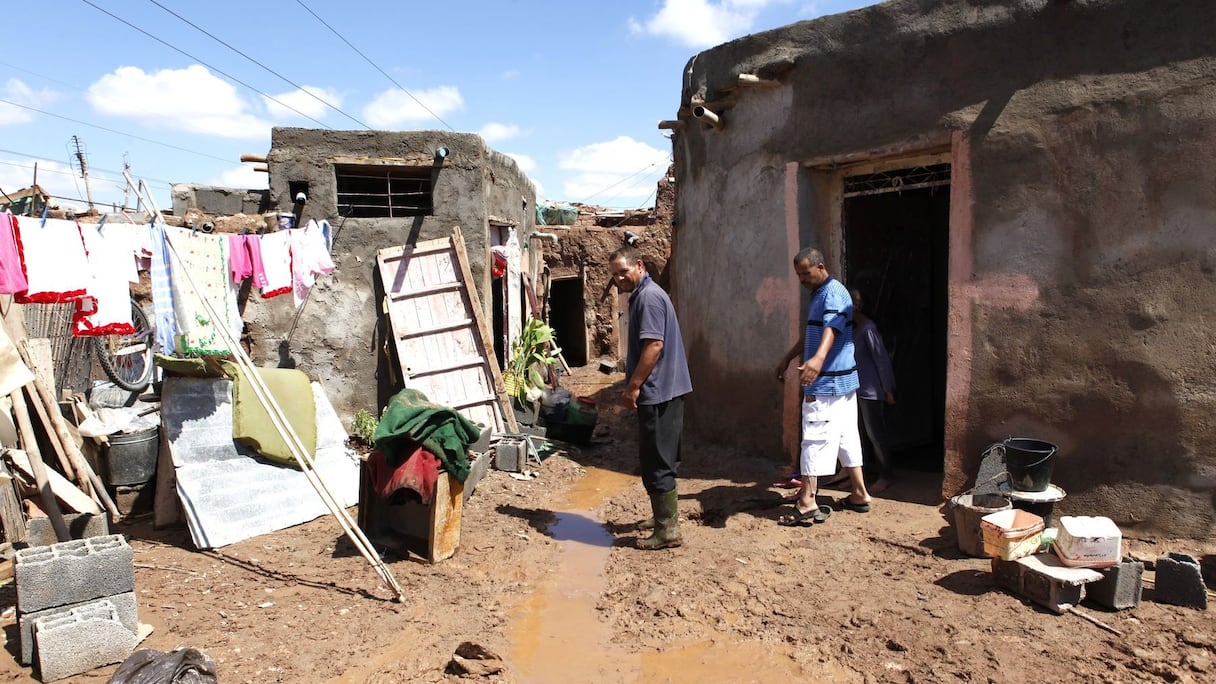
1025	192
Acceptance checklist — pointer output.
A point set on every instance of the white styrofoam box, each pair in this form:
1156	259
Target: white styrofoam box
1089	541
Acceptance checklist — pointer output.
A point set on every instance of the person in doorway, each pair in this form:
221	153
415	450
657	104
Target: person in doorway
828	374
657	382
875	393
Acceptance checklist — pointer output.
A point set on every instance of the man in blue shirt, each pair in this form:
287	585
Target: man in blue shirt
829	385
658	379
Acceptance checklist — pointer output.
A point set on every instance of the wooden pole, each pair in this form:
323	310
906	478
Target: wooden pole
49	503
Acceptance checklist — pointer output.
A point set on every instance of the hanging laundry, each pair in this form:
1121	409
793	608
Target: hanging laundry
309	259
52	255
239	265
12	278
164	319
276	260
133	244
106	309
245	259
200	272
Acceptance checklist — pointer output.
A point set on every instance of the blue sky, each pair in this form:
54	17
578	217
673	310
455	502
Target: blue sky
572	89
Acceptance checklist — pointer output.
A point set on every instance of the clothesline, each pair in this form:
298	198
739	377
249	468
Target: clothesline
49	260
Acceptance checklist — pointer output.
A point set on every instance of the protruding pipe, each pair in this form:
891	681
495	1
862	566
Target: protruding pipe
671	124
753	80
706	116
552	237
261	168
247	157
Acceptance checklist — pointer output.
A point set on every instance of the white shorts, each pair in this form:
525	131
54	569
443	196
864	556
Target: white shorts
829	433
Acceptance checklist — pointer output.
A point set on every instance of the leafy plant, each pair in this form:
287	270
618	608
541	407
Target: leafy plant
364	425
523	378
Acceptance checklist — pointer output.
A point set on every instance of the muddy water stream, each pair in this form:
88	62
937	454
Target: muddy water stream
557	634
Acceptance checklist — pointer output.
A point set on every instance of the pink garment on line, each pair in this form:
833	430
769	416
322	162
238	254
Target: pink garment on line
309	259
238	259
12	278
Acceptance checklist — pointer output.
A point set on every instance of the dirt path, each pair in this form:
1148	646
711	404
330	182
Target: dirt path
547	578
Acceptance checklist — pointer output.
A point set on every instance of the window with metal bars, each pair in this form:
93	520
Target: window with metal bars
897	180
383	191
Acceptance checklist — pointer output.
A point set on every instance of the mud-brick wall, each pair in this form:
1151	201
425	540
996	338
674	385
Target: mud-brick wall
340	336
1083	210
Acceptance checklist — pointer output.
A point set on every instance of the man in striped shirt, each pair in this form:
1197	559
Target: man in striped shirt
829	385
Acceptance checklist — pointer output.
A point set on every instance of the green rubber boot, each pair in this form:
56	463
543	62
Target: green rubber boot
667	523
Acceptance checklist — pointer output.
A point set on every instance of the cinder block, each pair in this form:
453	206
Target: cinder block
1120	586
123	603
72	572
1007	575
1049	583
1180	582
81	639
80	526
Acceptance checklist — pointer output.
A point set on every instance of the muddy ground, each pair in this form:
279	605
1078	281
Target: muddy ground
546	577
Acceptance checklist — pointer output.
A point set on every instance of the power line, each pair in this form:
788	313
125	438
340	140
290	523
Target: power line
641	170
111	130
369	61
216	70
268	69
92	169
42	76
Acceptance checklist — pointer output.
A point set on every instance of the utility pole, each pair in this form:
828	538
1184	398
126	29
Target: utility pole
126	170
83	168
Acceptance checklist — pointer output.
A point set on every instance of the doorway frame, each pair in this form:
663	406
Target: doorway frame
816	216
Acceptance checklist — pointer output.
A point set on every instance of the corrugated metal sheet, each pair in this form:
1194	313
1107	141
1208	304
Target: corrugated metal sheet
227	492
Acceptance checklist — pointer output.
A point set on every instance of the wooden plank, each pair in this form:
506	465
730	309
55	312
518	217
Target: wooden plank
446	511
447	368
447	327
427	290
63	490
166	505
41	360
500	387
11	516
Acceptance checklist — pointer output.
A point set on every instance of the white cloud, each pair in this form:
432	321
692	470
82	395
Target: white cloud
17	91
510	74
393	108
526	164
495	132
242	176
623	167
701	23
190	99
308	101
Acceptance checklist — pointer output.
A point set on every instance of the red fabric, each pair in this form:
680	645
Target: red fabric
418	472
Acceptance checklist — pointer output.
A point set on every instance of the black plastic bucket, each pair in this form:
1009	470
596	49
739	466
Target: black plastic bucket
1029	462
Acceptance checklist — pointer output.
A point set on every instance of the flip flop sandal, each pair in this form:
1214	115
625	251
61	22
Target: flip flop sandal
819	514
788	483
844	504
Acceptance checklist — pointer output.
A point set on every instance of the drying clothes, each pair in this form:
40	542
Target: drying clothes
106	309
132	245
276	261
164	321
203	262
416	470
245	259
12	278
411	417
52	254
239	264
309	259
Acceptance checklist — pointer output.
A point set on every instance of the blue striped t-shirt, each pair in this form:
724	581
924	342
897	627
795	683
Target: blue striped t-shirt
832	306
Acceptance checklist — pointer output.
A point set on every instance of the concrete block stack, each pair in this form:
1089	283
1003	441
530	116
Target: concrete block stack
76	604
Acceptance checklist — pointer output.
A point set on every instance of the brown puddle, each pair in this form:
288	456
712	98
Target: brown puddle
557	635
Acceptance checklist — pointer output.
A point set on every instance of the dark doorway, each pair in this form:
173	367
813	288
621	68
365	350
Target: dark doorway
896	252
498	307
567	318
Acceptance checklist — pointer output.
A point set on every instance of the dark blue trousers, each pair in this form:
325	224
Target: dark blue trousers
659	430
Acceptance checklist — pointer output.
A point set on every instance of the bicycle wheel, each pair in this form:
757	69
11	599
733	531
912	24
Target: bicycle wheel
127	359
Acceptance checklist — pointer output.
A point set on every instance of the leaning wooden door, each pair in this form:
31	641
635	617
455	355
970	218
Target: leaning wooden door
442	342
